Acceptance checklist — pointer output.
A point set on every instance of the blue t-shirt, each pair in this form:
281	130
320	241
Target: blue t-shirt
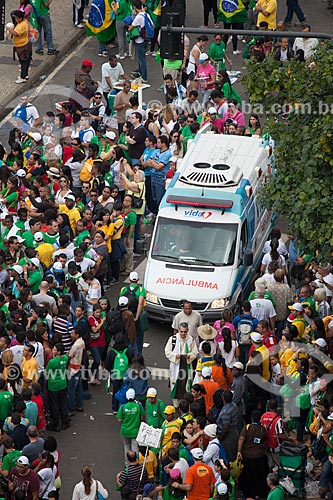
31	412
147	154
161	157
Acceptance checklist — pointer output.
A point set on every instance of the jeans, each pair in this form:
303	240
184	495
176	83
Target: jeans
116	386
44	23
75	391
97	355
141	55
326	474
122	42
130	444
293	7
157	188
102	46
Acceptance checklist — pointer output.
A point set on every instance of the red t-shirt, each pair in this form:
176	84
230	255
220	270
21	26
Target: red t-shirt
100	342
40	405
28	483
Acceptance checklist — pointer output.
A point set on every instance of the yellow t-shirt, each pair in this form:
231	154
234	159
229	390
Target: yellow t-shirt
22	29
118	228
270	6
151	463
73	215
265	362
108	231
45	251
29	369
168	428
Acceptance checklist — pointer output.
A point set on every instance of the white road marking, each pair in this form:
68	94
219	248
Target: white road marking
145	344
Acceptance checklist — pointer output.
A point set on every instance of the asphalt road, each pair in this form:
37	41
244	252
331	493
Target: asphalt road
94	435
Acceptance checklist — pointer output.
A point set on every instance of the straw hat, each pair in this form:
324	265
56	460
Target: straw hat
207	332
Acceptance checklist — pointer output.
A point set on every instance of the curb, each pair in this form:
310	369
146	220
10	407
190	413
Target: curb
43	68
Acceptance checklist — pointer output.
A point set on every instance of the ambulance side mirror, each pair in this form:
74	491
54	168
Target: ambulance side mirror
248	258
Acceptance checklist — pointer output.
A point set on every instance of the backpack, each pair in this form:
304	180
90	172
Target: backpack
115	321
320	449
21	112
221	451
244	328
132	299
147	32
266	341
213	414
120	364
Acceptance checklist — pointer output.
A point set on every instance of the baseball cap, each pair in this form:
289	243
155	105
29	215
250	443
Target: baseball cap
101	128
173	159
36	136
38	236
256	337
70	197
152	392
148	488
21	173
212	111
19	239
134	276
130	394
23	460
17	268
110	135
222	488
203	57
57	267
123	301
87	62
321	342
296	307
182	119
238	365
206	371
169	410
34	261
197	453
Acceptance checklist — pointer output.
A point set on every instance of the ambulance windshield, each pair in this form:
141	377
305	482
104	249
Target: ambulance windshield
199	243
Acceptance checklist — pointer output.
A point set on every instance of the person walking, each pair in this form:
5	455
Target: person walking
130	415
200	479
57	388
89	488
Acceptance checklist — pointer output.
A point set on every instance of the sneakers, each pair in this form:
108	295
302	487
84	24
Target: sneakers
118	56
52	52
148	53
288	25
135	74
154	53
80	25
95	381
300	24
40	52
144	81
236	52
20	80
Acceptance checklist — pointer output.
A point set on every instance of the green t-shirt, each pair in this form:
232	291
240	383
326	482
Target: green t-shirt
170	64
80	237
276	494
231	93
35	278
124	10
186	131
20	224
9	461
28	239
6	401
137	289
122	140
50	239
217	53
95	140
131	414
56	371
154	413
130	220
40	7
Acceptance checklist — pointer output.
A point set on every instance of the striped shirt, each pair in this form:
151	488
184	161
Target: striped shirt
63	327
130	477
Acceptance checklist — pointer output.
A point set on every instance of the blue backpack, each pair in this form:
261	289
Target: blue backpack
21	112
147	32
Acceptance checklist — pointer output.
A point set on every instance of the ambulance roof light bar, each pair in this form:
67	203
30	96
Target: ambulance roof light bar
200	203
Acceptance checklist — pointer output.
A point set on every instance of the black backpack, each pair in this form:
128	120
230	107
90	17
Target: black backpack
132	299
114	321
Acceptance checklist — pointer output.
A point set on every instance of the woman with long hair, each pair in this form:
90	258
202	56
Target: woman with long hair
15	153
105	199
151	124
42	336
10	195
94	292
224	84
254	127
100	246
77	298
176	145
21	44
26	7
137	378
115	168
273	255
198	392
64	190
106	225
229	348
64	224
221	374
88	488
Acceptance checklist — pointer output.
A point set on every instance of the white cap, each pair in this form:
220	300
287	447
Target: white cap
35	261
130	394
70	197
123	301
19	239
17	268
173	159
212	111
206	371
21	173
296	307
38	236
210	430
134	276
36	136
203	57
321	342
57	266
23	460
222	488
256	337
110	135
197	453
152	392
238	365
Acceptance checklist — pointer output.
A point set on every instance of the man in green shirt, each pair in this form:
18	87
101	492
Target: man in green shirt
42	9
154	409
130	415
10	459
276	492
28	236
6	401
52	235
130	219
33	274
57	388
81	231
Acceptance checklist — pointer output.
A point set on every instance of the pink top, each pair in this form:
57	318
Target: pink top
27	10
218	327
205	74
238	117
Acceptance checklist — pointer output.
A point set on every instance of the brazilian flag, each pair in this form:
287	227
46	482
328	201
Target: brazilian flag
154	9
232	11
100	23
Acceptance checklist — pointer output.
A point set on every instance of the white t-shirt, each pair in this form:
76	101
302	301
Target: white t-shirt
267	259
88	135
17	351
39	355
328	279
262	309
113	73
282	249
194	320
32	113
139	22
93	293
46	478
182	465
229	357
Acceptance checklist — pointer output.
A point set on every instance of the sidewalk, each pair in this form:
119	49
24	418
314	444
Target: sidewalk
65	38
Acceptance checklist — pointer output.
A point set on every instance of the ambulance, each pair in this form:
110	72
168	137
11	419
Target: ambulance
210	230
